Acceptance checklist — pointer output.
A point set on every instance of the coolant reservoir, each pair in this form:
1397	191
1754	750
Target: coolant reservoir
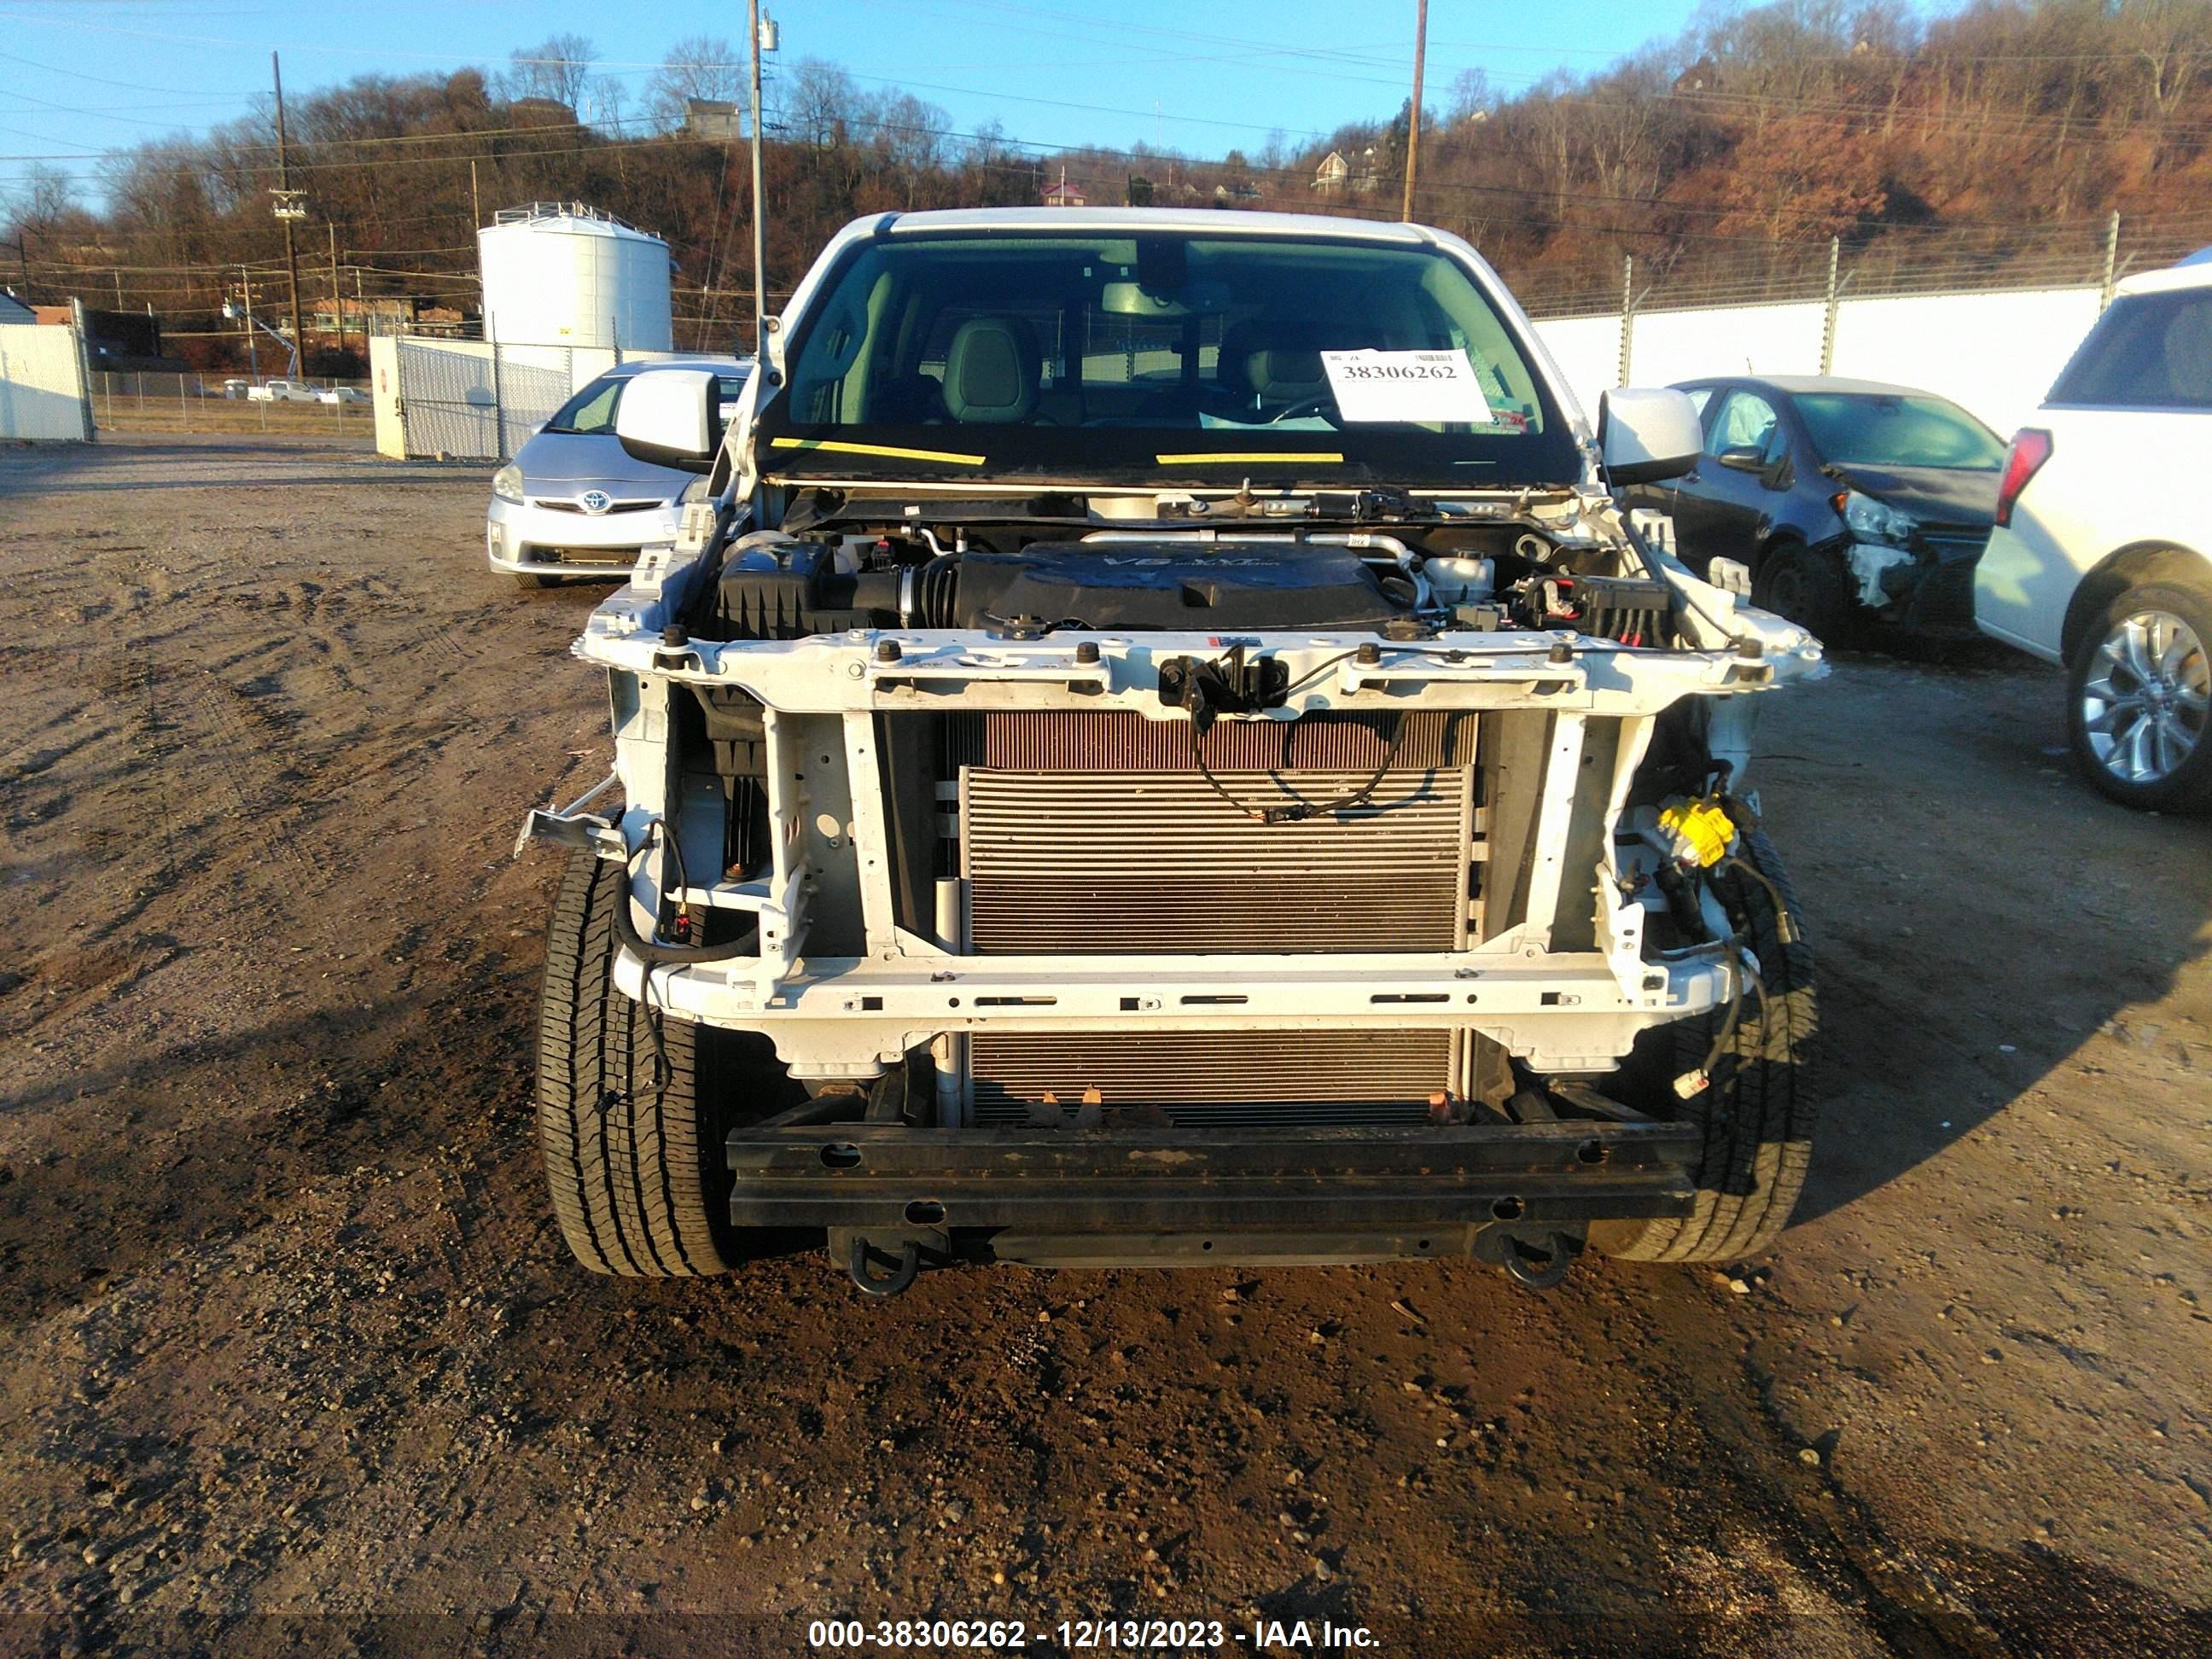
1460	581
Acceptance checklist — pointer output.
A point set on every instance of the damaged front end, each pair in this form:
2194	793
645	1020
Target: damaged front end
1127	891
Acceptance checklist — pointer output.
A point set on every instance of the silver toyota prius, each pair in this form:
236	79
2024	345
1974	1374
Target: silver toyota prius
573	503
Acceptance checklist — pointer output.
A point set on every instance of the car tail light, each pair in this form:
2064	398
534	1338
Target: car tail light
2031	448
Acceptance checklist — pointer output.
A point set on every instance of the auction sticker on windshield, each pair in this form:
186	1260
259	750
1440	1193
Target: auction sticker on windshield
1405	385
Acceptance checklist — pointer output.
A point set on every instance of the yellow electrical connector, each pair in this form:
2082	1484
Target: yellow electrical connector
1703	827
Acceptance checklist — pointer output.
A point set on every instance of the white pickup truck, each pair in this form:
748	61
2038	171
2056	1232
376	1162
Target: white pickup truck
1158	744
283	391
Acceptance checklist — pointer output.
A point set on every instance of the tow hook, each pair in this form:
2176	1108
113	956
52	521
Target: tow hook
864	1277
1538	1261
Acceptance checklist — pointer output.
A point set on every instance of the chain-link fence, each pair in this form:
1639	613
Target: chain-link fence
463	399
1901	261
325	408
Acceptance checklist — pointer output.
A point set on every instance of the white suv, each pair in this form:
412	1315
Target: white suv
2090	569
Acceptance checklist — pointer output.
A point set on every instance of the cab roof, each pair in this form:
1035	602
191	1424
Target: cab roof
1204	221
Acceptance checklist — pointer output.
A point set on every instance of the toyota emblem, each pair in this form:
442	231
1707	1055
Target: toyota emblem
596	500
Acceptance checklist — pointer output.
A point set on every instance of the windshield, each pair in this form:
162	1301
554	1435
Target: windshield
2150	351
1163	358
1853	429
592	410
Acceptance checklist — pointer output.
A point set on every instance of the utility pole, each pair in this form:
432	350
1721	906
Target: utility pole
764	40
288	208
252	345
1413	110
475	205
337	305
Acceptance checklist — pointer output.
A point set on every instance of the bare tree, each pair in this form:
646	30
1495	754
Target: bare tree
558	67
819	101
697	66
603	95
1471	95
43	200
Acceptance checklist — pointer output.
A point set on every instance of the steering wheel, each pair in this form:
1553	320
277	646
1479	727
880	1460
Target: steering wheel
1320	405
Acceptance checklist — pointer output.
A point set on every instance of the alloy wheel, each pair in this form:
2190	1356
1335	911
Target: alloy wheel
2144	706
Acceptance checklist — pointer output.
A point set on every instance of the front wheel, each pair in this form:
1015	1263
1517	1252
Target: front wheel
1807	587
530	584
2136	700
1756	1112
631	1118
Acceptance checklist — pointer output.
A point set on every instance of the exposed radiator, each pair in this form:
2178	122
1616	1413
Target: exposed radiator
1248	1080
1095	834
1118	862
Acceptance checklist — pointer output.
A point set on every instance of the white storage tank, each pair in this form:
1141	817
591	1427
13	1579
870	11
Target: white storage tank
560	273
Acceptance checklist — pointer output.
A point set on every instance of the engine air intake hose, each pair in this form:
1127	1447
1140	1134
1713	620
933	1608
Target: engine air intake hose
937	593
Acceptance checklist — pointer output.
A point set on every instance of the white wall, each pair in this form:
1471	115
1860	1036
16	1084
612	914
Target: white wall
1588	352
1680	345
42	386
1993	354
383	390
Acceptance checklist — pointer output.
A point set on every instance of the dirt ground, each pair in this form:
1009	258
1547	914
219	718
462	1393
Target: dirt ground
295	1354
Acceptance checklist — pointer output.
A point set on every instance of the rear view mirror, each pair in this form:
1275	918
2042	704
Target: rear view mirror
1646	437
1743	458
1191	300
666	417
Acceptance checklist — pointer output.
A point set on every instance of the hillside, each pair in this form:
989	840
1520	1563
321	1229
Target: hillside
1992	145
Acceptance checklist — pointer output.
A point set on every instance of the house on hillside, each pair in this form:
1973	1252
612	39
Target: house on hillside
1064	194
1704	75
542	111
715	119
1336	175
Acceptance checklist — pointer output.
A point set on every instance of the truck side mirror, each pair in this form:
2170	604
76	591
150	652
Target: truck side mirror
666	417
1643	436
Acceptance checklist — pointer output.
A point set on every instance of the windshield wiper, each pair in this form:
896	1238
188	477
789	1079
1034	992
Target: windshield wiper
811	508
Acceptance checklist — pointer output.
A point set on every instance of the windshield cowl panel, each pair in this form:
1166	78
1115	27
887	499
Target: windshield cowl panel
1162	359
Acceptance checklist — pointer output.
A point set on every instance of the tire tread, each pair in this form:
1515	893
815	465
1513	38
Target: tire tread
623	1156
1757	1113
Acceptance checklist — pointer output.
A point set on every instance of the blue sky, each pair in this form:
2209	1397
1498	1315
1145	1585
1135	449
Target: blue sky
94	74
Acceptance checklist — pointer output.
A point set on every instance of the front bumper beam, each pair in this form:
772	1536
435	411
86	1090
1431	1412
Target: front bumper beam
889	1181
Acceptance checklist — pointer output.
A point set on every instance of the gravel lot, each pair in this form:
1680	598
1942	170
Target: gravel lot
294	1352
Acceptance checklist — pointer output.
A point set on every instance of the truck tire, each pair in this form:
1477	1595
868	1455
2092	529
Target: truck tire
1757	1113
530	584
633	1161
2136	693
